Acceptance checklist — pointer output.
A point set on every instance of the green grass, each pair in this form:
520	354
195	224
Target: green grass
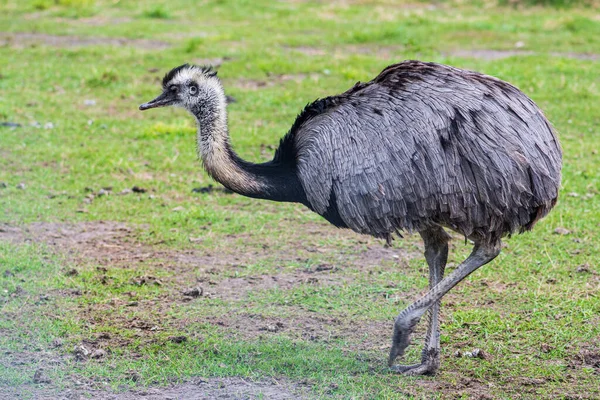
534	311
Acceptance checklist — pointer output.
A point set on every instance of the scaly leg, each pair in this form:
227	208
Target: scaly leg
436	253
405	322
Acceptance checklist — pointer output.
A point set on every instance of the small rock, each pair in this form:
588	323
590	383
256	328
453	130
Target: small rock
458	354
90	121
583	268
98	353
146	280
195	239
44	298
519	44
133	376
178	339
21	186
35	124
476	353
102	192
561	231
195	292
132	304
89	102
545	348
273	328
81	353
40	377
48	125
573	194
178	209
3	185
137	189
8	273
125	191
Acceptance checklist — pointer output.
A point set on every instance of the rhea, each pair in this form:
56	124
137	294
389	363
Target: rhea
422	147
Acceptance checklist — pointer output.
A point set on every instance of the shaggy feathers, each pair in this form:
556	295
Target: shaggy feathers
426	144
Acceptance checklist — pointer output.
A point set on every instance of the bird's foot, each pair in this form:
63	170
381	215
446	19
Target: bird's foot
429	365
401	338
414	370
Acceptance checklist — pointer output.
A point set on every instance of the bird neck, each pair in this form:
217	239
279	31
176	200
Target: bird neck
272	180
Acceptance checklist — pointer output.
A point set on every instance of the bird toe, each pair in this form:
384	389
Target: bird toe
415	370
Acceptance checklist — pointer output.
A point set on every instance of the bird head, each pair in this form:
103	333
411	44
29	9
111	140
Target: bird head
187	86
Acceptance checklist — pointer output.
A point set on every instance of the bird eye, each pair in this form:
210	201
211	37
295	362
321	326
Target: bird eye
193	90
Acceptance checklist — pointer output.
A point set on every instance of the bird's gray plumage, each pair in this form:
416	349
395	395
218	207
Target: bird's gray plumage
426	144
421	147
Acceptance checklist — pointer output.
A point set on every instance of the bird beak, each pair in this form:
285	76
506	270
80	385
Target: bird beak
165	99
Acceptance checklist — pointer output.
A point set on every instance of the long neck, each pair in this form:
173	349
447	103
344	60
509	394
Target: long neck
271	180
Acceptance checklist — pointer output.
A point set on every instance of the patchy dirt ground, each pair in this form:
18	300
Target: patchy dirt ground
199	389
394	52
21	40
484	54
104	246
199	272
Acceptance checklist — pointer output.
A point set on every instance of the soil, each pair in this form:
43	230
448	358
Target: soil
394	52
197	273
199	389
383	52
500	54
26	39
256	84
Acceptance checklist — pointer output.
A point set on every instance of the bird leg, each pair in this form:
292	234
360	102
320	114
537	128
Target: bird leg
436	253
407	320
